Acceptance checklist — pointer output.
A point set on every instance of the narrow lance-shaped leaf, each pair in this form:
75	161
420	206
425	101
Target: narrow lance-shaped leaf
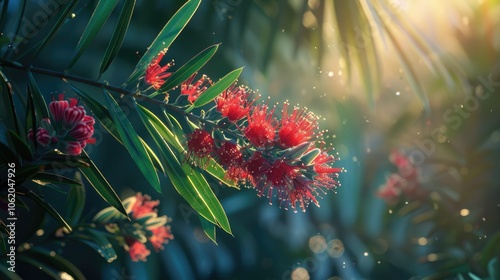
188	69
187	181
8	114
101	185
59	23
132	143
116	41
76	201
218	88
20	144
97	241
101	14
54	178
165	38
176	174
42	202
209	229
40	265
40	105
99	111
50	258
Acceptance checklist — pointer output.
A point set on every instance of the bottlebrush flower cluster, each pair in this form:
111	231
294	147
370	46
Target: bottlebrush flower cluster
275	157
403	183
145	226
68	129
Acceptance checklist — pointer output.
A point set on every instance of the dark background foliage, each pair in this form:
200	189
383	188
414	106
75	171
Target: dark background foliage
354	234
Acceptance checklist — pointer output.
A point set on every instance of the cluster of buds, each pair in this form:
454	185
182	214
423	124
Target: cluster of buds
276	157
403	183
68	129
143	227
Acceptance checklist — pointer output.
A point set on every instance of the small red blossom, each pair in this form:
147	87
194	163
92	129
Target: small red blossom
68	128
261	128
143	205
391	190
156	74
303	192
200	145
405	168
73	114
137	250
196	89
326	174
71	148
256	168
58	107
233	103
296	128
160	236
231	158
406	182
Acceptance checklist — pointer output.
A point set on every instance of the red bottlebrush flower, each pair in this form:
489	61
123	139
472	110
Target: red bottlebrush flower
231	158
156	74
233	103
57	108
196	89
256	168
228	154
160	236
296	128
43	137
303	192
200	145
281	174
137	250
261	128
326	175
143	205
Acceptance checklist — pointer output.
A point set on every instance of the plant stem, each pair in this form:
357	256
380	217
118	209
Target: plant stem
64	76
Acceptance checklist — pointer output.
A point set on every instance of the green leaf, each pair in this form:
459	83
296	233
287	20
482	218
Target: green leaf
208	229
97	241
41	109
50	258
100	112
21	148
9	275
101	14
31	120
494	268
59	23
42	202
54	178
106	215
156	161
50	271
8	113
213	168
76	201
218	88
132	143
408	71
188	181
188	69
165	38
101	185
118	35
